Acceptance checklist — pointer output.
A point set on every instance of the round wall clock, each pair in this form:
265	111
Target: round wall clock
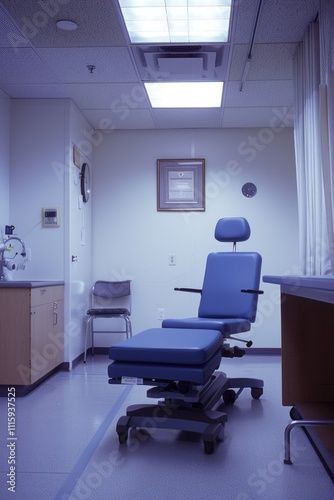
85	182
249	190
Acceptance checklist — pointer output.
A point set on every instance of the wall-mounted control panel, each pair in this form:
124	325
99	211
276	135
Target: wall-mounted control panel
51	217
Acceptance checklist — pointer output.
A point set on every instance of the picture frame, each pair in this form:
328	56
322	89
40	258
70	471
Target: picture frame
181	185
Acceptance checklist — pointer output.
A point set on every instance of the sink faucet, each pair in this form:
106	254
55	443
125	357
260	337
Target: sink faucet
3	262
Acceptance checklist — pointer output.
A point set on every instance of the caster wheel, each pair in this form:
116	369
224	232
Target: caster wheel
229	397
256	392
123	437
209	447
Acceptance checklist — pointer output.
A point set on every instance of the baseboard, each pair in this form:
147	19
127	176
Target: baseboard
23	390
264	351
65	367
98	351
101	350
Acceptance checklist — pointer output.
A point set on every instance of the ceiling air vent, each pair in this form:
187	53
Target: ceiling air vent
182	62
180	48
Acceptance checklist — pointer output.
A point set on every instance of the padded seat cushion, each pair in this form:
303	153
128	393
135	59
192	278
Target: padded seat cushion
108	312
226	326
197	374
168	345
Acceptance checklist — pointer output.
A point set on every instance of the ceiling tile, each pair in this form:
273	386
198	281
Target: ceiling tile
257	117
35	91
108	95
112	120
269	61
70	65
246	15
23	66
264	93
10	35
187	118
98	25
289	22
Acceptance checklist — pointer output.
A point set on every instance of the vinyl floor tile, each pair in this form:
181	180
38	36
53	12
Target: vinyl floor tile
67	447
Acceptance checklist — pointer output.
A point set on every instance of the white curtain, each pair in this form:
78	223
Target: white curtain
313	143
326	18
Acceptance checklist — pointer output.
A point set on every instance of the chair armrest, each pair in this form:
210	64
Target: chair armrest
192	290
249	290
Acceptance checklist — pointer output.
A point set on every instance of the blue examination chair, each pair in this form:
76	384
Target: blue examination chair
181	360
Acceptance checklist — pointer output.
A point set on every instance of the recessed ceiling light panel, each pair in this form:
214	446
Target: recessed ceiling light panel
176	21
185	94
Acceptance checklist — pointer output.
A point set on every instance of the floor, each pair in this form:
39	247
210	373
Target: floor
67	447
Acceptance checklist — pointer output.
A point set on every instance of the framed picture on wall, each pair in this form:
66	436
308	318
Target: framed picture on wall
181	185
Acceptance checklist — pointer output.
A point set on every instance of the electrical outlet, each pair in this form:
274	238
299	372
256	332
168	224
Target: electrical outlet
161	313
28	254
172	259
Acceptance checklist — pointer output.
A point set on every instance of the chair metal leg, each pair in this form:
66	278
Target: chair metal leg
92	333
128	328
88	329
85	352
299	423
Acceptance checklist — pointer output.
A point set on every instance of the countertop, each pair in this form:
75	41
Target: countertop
312	287
322	282
29	284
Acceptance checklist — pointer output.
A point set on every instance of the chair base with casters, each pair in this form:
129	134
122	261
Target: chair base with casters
180	365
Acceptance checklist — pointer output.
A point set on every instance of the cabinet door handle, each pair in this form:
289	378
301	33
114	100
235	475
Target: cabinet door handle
55	313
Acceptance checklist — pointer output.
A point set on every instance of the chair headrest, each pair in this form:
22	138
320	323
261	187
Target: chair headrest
232	229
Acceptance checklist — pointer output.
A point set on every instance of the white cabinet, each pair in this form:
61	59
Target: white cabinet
31	333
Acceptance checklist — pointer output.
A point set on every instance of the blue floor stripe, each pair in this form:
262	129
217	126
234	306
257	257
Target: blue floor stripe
72	479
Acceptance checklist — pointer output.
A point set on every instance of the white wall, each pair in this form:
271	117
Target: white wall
131	240
38	140
42	173
5	104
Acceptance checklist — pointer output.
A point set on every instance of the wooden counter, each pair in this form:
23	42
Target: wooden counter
31	334
307	315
